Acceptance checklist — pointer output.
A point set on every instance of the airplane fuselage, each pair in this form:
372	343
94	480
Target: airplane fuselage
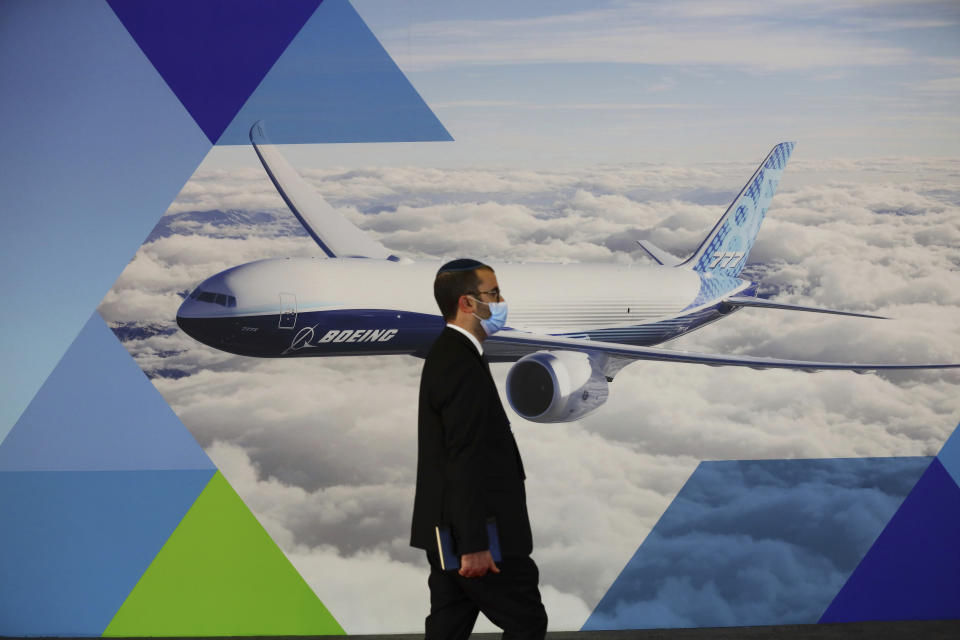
294	307
570	328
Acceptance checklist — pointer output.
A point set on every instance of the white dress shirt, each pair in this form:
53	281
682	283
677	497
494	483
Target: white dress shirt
472	337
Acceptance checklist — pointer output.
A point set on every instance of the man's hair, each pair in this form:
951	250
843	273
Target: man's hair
454	279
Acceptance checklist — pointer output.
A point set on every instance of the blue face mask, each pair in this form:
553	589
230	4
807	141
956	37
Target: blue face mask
497	319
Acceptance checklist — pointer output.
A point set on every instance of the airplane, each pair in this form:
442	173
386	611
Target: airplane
571	327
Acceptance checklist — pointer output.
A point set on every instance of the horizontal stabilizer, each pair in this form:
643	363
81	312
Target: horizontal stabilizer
337	236
769	304
658	254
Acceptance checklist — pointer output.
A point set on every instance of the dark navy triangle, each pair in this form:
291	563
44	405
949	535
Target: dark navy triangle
949	455
336	83
214	53
912	571
97	411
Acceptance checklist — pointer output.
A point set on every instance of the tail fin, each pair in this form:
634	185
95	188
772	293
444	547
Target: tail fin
724	251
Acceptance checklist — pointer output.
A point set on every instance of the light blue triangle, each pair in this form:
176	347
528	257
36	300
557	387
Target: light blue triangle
74	543
949	455
98	411
336	83
97	148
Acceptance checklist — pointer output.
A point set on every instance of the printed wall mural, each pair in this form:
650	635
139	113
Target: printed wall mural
272	496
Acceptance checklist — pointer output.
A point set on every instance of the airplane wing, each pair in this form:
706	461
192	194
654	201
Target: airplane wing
337	236
515	344
737	301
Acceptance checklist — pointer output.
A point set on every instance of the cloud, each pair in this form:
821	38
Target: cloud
365	589
323	449
338	470
368	587
947	86
755	543
736	34
578	106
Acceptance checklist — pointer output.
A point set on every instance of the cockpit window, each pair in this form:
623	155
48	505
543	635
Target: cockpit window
221	299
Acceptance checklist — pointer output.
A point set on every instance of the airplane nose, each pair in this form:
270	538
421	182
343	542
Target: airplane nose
189	320
195	328
196	319
203	312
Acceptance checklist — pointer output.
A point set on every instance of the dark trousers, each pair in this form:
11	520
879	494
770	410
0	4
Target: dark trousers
510	599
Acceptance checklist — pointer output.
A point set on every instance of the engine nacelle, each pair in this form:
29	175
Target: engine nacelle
556	386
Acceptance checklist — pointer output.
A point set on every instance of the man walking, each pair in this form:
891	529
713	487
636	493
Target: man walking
469	470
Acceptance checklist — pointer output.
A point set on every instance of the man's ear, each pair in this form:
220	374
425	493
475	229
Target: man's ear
465	303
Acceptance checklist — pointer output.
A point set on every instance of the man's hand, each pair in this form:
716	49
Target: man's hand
475	565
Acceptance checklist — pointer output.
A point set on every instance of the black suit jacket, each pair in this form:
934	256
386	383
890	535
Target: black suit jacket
468	465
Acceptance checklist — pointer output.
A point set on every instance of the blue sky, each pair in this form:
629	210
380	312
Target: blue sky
578	83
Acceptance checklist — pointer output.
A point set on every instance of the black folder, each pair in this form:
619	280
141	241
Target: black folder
447	545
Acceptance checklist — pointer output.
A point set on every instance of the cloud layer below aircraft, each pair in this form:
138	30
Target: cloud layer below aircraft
323	450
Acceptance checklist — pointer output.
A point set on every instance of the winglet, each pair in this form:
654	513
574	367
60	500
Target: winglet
337	236
258	133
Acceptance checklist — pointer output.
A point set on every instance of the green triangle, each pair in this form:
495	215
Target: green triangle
220	574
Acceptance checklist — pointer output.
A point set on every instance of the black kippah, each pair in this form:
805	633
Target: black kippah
460	264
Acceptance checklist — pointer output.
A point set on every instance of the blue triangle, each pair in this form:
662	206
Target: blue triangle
102	148
214	53
912	572
98	411
75	543
336	83
757	542
949	455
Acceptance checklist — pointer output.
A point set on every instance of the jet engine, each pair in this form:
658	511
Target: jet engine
556	386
